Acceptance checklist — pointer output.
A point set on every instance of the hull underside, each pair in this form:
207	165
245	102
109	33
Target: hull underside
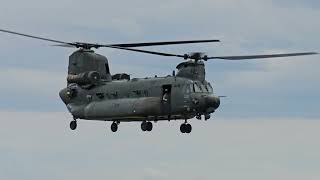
141	118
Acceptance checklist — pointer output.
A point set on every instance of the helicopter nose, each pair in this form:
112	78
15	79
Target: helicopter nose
213	101
64	95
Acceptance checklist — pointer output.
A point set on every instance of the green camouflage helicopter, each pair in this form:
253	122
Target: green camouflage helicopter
92	93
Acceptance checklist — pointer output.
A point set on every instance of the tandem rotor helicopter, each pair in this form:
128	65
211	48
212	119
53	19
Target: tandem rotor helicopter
93	93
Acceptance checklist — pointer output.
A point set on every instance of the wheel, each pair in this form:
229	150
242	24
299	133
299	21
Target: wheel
198	117
183	128
144	126
114	127
207	116
149	126
73	125
188	128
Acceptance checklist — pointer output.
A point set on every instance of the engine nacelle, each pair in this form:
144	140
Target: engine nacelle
86	78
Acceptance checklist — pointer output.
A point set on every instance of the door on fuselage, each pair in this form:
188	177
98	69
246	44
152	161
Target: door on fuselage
166	98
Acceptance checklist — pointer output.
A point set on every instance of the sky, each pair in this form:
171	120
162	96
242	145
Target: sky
266	128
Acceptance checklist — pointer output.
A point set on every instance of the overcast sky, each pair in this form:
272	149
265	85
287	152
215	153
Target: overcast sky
267	127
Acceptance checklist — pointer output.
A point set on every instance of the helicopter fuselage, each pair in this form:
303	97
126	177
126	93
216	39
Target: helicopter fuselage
147	99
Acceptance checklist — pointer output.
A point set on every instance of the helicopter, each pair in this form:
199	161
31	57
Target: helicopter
93	93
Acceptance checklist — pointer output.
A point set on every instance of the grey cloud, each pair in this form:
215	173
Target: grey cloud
243	26
40	145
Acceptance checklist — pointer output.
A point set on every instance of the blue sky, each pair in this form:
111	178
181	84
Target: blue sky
272	105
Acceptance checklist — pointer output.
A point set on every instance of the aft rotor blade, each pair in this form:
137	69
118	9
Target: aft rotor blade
261	56
161	43
147	52
35	37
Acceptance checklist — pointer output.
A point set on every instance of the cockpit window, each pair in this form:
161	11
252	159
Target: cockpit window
199	86
204	88
196	88
209	87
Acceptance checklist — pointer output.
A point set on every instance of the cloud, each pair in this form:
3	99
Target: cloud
284	73
40	82
276	138
244	27
37	145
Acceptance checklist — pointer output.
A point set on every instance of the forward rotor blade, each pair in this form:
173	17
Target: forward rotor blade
35	37
90	45
261	56
161	43
64	45
147	52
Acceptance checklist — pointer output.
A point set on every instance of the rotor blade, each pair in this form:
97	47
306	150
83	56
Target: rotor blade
147	52
90	45
262	56
35	37
64	45
160	43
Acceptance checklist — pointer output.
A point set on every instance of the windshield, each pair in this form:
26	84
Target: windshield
203	88
209	87
196	88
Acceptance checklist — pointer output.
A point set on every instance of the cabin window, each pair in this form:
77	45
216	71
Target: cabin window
146	93
100	95
115	94
188	89
138	92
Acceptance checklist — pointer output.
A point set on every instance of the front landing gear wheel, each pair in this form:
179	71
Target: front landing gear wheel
73	125
188	128
114	127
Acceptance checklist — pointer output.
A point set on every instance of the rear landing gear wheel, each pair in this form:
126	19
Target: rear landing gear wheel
186	128
183	128
114	127
207	116
146	126
73	125
149	126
